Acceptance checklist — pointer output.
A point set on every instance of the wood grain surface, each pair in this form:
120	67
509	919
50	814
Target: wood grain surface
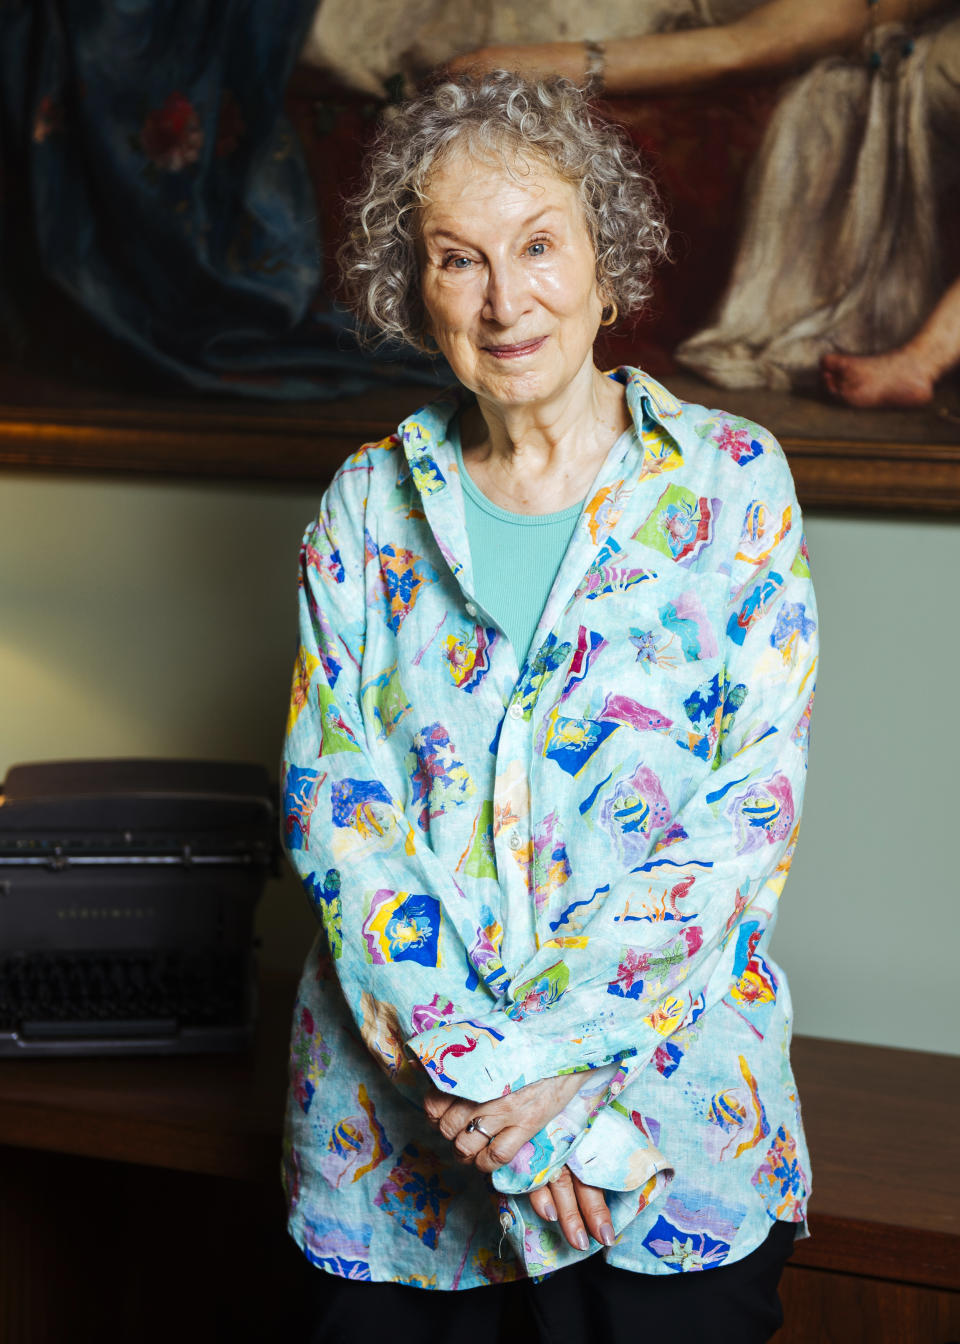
882	1125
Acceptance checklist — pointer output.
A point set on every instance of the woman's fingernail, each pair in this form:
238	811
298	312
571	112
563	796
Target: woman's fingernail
550	1213
606	1234
582	1241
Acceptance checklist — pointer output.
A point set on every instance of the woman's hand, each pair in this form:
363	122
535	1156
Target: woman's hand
512	1120
578	1208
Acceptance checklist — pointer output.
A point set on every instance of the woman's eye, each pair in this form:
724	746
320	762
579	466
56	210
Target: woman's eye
537	249
458	263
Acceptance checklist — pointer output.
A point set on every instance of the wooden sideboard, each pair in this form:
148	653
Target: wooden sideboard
139	1198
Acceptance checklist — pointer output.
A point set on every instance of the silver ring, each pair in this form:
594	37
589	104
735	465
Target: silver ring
475	1125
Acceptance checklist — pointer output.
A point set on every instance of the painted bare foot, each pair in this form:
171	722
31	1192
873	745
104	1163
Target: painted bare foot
893	379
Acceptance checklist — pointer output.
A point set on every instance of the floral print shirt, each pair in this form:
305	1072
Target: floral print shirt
569	865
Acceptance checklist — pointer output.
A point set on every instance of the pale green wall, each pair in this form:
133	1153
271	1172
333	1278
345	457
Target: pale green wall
157	618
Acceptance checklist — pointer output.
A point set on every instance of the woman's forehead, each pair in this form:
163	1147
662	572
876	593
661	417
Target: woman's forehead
462	185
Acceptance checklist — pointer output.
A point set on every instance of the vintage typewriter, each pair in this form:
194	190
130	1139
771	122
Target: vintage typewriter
127	894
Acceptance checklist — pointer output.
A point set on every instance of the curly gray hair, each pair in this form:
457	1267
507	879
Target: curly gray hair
497	114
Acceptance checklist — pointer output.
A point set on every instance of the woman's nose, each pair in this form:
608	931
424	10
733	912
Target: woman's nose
506	294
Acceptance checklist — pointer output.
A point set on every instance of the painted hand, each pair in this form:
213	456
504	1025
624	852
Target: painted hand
536	60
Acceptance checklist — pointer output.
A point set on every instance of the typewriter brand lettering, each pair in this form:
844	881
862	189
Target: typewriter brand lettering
107	912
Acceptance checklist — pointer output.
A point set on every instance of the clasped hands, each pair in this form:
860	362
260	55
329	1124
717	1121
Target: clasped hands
510	1122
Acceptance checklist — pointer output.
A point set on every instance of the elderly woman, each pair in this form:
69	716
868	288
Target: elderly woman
543	776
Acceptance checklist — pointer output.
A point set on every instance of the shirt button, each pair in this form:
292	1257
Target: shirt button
516	710
470	609
515	842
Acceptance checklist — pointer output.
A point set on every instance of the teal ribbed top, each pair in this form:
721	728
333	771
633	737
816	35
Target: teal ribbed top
515	557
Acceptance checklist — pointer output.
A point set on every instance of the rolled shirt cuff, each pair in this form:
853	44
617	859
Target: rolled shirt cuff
478	1059
483	1058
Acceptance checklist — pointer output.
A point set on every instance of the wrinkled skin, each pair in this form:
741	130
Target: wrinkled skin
581	1210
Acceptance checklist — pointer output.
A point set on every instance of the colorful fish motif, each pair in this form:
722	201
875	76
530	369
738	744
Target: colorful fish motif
487	1265
357	1145
737	1118
635	807
763	813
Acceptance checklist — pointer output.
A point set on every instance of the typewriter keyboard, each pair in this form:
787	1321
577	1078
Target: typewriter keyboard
190	988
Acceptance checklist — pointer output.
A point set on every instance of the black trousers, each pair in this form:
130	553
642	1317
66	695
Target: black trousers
590	1303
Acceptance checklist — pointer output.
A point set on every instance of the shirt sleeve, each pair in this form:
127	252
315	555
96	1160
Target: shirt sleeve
397	924
628	985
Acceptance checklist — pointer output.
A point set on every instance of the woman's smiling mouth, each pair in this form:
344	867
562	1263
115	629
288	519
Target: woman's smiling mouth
514	351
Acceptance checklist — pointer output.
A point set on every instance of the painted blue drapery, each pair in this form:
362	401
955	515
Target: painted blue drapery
149	175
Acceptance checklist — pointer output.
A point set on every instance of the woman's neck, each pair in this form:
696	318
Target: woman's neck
542	457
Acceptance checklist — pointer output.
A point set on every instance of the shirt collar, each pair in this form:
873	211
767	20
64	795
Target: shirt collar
431	462
423	432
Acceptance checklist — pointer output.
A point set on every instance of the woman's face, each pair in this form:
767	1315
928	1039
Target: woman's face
508	278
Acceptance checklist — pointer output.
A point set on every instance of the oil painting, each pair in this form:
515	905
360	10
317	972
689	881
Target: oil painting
807	155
